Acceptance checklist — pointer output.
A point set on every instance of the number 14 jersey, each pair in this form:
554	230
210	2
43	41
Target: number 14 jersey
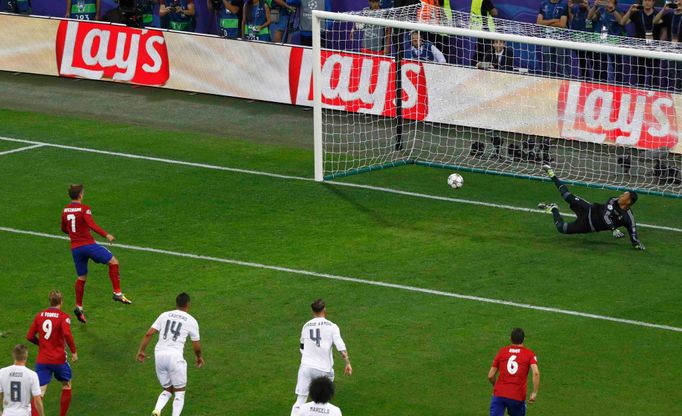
174	327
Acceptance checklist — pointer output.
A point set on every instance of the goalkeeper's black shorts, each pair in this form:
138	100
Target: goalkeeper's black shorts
583	209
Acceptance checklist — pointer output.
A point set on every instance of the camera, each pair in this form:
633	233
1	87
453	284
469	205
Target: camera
216	5
128	12
174	7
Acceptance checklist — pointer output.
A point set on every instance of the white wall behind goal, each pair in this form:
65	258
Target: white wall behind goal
514	102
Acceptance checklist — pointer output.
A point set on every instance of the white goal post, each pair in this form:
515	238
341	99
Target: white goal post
416	85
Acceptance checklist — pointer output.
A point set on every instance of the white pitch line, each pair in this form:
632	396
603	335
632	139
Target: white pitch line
21	149
299	178
157	159
366	282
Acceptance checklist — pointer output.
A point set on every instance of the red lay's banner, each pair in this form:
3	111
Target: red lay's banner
354	82
362	83
617	115
101	51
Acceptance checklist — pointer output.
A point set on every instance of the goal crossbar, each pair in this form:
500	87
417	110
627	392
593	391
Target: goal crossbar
587	162
482	34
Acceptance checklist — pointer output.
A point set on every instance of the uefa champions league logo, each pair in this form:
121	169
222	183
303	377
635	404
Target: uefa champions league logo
312	4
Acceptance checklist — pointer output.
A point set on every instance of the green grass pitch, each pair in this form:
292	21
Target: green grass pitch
413	353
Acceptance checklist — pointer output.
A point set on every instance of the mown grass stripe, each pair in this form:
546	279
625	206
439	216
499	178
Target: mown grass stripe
366	282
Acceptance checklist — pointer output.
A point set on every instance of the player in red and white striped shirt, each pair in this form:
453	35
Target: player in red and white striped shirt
77	222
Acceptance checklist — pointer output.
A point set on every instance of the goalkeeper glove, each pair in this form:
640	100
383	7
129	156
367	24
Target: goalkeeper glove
639	246
618	234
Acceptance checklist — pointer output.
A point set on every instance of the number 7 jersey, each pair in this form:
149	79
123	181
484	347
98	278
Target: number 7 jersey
77	221
174	327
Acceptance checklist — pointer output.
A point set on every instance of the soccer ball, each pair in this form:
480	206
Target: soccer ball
456	180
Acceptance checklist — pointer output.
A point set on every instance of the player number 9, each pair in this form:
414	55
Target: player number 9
512	365
47	328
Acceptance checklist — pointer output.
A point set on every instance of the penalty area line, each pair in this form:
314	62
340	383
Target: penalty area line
300	178
21	149
367	282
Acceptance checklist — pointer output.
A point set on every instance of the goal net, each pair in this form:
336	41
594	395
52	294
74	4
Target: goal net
428	86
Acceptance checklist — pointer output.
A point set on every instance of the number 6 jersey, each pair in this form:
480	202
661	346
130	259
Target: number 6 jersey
174	327
514	362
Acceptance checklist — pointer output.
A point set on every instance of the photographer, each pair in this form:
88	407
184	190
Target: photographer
256	20
606	19
280	14
180	14
227	17
673	24
132	13
146	7
642	16
578	11
83	9
15	6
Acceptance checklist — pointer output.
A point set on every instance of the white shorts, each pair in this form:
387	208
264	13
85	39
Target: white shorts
306	375
171	369
17	412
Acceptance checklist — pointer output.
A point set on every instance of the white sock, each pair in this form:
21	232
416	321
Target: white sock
300	401
178	402
163	399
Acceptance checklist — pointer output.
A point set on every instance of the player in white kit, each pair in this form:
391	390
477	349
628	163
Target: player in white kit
19	385
171	368
317	337
321	392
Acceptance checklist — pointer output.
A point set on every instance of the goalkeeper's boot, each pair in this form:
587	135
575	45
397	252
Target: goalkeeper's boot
80	315
548	170
121	298
547	207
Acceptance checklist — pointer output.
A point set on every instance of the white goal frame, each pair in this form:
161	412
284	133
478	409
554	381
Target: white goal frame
321	16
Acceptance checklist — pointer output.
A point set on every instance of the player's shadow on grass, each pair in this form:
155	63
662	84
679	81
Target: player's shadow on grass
383	220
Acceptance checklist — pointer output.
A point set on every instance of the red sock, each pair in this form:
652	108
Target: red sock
34	411
80	289
115	278
65	402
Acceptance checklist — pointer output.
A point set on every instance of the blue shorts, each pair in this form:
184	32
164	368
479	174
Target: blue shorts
280	26
62	372
82	254
514	407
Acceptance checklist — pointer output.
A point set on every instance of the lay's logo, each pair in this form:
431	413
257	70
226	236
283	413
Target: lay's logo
617	115
99	51
360	83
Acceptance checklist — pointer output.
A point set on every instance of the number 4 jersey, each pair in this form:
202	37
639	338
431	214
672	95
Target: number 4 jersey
513	362
18	385
174	327
52	329
317	337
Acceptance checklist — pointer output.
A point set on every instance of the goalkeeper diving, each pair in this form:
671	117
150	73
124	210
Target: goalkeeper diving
594	217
